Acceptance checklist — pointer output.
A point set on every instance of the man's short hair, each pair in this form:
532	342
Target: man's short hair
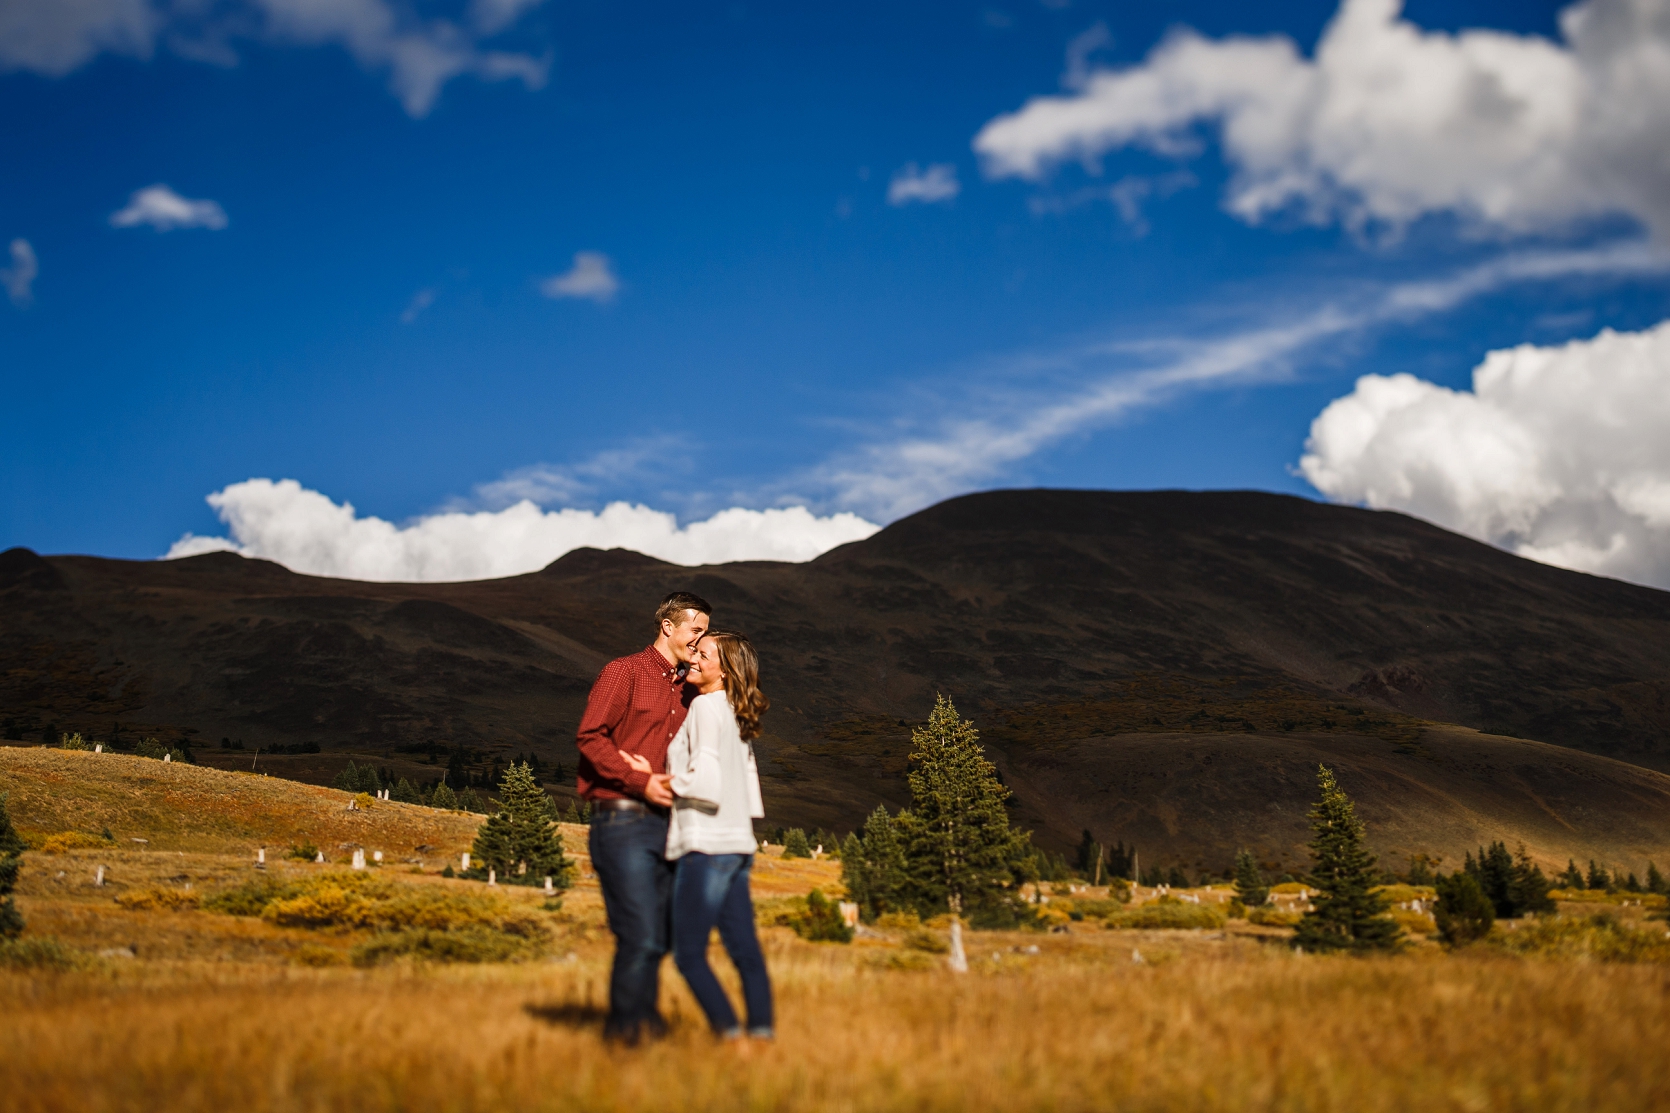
672	608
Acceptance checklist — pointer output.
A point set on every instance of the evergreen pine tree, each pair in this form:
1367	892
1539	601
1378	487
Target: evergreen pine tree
348	780
1528	887
1250	889
405	793
1573	877
1655	880
518	841
1088	852
1598	878
11	861
1632	884
961	853
873	868
1463	913
443	797
1420	870
1346	914
795	844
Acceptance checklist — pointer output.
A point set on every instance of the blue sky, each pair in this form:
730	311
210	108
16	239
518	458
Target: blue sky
375	318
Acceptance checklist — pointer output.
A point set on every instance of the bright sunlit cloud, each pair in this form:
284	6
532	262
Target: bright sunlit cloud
592	277
161	208
1558	453
1388	123
307	532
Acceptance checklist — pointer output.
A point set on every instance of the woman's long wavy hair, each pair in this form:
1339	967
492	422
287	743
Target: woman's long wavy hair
742	680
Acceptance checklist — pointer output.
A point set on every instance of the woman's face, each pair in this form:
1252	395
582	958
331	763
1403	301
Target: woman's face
705	671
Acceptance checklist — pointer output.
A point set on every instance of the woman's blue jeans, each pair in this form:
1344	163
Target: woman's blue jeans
709	891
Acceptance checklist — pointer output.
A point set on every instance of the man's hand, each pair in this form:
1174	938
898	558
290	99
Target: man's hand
638	762
659	790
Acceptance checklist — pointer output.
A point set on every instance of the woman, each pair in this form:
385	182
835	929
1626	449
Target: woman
716	790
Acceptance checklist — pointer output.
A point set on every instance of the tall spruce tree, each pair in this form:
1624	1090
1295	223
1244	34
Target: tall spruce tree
1250	888
11	861
1655	880
1573	877
1598	877
520	834
1346	914
961	852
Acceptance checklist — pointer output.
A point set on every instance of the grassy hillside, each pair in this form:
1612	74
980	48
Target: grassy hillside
176	994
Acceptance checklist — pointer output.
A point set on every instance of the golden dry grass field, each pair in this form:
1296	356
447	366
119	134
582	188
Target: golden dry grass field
168	1005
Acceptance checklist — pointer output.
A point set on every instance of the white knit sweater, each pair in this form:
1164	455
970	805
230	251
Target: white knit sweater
715	783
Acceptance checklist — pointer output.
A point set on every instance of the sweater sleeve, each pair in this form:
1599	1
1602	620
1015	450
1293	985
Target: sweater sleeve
699	777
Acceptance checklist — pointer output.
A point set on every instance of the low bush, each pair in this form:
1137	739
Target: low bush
306	852
1096	909
40	953
930	942
820	921
315	954
1601	937
898	921
71	840
1168	914
476	943
406	917
157	898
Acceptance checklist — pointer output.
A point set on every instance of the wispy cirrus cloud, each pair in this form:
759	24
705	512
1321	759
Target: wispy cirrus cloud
1101	383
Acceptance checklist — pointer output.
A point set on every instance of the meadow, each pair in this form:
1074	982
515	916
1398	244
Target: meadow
163	999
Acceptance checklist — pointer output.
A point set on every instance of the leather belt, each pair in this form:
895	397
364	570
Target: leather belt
635	807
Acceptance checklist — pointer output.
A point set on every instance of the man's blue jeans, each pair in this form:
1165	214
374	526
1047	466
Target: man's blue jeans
711	890
628	855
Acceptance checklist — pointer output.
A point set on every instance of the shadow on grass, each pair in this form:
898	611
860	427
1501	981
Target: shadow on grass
569	1014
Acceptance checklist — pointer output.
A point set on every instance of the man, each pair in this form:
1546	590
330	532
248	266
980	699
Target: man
636	705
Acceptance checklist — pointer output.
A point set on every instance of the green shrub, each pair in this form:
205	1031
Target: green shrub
152	748
1167	914
306	852
469	944
1095	909
37	954
795	844
1268	915
1601	937
1464	913
931	942
73	742
251	898
820	921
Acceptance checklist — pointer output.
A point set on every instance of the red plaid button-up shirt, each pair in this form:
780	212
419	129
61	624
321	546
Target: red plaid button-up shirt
636	704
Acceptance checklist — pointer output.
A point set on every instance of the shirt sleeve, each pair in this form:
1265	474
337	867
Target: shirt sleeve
699	777
606	707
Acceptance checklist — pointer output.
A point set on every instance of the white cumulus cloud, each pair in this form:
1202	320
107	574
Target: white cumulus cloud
19	278
306	532
419	54
911	183
1388	123
165	210
1561	454
592	277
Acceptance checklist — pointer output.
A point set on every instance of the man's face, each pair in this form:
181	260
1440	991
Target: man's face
682	638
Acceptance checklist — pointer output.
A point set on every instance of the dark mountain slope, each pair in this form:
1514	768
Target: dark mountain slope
1086	632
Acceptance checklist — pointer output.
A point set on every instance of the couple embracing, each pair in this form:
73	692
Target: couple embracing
667	763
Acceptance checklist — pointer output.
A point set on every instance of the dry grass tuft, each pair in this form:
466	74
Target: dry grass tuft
1601	937
157	898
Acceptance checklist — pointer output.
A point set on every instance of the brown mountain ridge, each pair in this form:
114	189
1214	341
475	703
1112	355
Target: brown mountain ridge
1160	667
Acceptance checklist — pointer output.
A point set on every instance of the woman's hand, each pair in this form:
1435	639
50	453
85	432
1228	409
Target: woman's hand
638	763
